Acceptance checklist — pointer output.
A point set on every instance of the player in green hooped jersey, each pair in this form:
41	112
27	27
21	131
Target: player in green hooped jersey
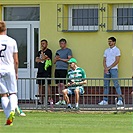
76	82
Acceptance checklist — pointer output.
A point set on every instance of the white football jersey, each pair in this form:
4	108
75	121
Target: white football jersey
8	46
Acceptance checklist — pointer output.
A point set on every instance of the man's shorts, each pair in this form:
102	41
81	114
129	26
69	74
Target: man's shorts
42	81
71	90
60	73
8	82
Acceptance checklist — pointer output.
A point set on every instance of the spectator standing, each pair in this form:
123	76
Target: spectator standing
110	64
61	60
44	60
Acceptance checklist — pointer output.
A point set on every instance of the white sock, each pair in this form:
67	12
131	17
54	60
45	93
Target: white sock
6	106
69	104
13	101
77	105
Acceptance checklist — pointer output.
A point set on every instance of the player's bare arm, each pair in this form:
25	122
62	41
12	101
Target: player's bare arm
15	57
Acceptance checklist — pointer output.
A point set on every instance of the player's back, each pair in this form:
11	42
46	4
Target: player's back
8	46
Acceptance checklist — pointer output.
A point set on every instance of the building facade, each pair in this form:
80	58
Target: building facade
86	24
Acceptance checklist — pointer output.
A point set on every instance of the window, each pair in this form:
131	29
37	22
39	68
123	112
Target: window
21	13
36	41
83	18
123	17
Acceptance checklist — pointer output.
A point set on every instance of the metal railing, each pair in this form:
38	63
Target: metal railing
28	95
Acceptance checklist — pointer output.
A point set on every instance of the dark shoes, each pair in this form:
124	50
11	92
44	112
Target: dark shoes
39	103
71	108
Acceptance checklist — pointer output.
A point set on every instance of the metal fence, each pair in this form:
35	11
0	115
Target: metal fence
28	95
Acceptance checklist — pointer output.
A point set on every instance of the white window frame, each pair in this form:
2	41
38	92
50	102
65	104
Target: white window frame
17	6
80	28
120	27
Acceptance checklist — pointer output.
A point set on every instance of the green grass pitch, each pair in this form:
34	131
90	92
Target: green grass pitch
69	122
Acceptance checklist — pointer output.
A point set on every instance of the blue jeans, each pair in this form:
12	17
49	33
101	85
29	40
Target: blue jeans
113	73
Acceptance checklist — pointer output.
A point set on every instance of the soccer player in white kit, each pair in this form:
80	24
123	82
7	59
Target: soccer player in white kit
8	73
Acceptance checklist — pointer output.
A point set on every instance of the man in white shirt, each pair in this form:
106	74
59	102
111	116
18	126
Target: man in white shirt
110	64
8	73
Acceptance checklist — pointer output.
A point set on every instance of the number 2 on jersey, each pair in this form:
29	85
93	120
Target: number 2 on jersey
4	46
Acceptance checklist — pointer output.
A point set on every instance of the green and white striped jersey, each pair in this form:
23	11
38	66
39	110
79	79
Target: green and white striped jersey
76	75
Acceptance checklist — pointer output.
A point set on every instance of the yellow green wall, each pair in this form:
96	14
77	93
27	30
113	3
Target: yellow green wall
87	47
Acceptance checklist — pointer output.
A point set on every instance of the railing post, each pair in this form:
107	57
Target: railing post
46	94
132	91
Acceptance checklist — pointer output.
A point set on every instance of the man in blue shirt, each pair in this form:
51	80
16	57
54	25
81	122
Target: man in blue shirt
61	60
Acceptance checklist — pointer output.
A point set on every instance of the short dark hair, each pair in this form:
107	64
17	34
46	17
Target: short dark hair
44	40
62	40
112	38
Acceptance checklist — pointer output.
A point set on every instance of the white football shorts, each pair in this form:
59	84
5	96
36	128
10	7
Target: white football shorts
8	83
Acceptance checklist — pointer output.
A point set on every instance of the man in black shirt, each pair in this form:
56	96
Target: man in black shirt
44	59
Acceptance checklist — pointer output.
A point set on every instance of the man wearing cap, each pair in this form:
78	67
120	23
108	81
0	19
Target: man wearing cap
76	82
